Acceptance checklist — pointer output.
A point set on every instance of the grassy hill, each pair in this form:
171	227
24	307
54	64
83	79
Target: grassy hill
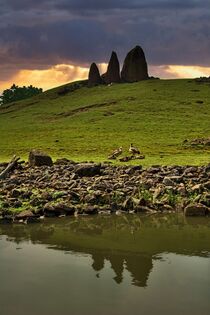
87	124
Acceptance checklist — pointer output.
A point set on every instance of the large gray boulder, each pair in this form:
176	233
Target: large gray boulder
113	71
135	66
39	158
94	78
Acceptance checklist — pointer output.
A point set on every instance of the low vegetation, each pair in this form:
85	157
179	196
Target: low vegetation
16	93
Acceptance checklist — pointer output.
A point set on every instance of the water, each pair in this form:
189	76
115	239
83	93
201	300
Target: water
111	265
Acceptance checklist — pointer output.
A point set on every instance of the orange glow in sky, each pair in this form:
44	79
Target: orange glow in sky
63	73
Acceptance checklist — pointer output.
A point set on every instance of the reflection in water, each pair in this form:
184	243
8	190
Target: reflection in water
117	266
139	267
128	242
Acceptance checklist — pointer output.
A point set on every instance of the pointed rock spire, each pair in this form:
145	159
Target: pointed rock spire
135	66
113	71
94	76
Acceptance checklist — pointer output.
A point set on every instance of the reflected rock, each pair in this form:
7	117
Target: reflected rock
98	261
140	268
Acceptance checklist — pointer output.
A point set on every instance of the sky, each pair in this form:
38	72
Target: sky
50	42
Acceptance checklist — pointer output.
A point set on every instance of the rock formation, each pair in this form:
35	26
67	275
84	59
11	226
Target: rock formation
135	66
113	71
134	69
94	78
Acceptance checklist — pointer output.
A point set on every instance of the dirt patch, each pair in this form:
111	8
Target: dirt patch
108	114
15	107
85	109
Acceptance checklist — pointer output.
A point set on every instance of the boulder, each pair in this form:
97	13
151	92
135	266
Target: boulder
15	193
55	210
25	214
196	210
39	158
94	78
135	66
90	210
207	185
64	161
167	181
88	170
113	71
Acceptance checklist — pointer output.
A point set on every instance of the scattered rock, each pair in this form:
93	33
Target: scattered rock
125	159
25	215
15	193
205	142
197	188
64	161
90	210
207	185
168	181
87	188
56	210
88	170
39	158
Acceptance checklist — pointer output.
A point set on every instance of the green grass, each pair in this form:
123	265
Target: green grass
155	115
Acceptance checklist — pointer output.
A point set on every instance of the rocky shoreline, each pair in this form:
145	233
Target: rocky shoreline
66	188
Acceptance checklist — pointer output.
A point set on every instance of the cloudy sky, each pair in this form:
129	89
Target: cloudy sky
51	42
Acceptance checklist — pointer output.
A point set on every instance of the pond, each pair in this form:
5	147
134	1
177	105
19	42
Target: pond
106	265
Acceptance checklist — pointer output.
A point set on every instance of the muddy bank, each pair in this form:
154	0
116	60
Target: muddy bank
66	188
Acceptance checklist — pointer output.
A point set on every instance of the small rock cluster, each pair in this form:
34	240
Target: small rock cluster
204	142
134	69
67	188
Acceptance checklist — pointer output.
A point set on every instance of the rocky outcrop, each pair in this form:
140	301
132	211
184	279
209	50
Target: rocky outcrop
39	158
113	71
135	66
134	69
94	78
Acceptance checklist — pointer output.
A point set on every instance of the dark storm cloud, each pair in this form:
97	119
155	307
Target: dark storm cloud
36	34
105	4
132	4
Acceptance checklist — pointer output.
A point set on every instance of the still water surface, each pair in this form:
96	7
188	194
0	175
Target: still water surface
111	265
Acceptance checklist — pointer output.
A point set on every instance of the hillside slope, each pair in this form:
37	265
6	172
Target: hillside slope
86	124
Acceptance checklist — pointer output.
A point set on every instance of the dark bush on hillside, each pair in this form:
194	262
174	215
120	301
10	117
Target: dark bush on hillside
16	93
